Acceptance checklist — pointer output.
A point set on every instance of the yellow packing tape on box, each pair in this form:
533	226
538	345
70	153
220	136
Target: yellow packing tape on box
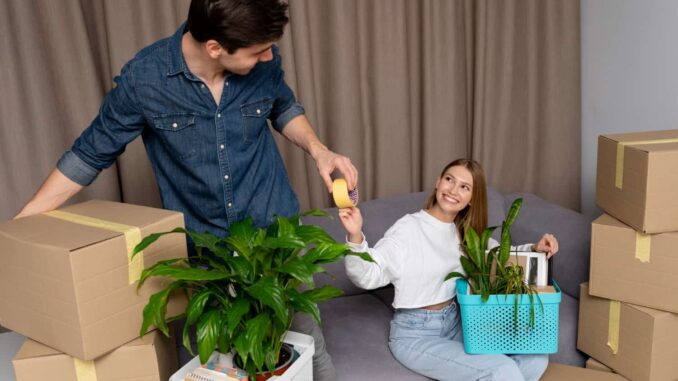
619	167
613	326
643	242
132	237
84	370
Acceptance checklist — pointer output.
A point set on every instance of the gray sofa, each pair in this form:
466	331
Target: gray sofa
356	325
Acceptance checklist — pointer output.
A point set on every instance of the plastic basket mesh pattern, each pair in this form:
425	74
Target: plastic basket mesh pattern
490	329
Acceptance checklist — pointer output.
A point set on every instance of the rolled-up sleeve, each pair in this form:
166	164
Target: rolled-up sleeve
285	106
120	120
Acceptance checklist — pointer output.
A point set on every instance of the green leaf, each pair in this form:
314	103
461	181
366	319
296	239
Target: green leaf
207	331
156	309
513	211
469	267
241	245
316	213
364	256
183	273
289	242
313	234
325	253
249	343
234	314
455	274
149	271
152	238
325	292
196	305
268	291
505	245
301	270
473	247
304	303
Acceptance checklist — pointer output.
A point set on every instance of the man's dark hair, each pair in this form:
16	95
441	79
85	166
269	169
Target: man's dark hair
236	24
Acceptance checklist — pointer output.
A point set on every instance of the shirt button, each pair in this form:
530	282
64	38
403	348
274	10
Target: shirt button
226	83
174	125
202	85
221	146
230	205
218	115
258	111
226	178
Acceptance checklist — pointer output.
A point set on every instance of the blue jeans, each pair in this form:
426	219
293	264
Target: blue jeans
431	343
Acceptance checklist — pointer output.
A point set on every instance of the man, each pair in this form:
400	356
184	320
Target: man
201	99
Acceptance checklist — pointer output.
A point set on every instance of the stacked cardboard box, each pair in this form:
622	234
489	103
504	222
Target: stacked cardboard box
67	281
627	313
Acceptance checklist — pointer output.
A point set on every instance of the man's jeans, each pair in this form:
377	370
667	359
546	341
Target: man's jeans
431	343
323	368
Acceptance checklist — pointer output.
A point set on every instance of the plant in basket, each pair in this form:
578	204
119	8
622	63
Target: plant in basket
243	289
489	272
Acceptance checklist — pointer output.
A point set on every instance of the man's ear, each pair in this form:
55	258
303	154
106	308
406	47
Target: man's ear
213	48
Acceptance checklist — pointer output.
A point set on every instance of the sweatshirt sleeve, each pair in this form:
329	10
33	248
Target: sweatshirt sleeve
385	268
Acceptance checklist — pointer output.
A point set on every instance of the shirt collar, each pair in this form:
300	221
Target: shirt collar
175	57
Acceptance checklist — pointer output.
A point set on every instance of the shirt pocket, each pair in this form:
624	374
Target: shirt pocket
178	133
255	115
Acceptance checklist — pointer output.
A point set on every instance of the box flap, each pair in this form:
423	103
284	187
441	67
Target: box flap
128	214
655	314
32	349
645	135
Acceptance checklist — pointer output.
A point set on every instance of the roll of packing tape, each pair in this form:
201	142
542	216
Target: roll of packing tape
344	198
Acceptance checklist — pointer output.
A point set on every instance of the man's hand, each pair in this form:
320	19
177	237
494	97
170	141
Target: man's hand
56	190
328	161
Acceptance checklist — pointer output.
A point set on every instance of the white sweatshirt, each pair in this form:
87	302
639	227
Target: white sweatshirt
415	254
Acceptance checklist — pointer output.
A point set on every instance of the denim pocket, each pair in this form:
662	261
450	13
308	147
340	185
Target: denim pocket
178	133
255	115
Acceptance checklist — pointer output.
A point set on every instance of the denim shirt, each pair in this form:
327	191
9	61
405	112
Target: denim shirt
215	163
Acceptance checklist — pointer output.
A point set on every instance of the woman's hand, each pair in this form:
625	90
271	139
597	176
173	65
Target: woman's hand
353	223
547	244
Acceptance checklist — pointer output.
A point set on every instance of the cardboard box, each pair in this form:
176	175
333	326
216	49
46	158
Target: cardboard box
633	268
67	285
151	358
560	372
646	349
637	179
594	364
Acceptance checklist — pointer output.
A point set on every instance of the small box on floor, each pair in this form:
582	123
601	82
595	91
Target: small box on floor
67	280
560	372
637	342
632	267
637	179
151	358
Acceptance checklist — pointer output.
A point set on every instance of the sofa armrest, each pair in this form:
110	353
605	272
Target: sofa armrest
570	267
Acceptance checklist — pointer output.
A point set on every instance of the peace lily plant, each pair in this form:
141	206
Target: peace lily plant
243	290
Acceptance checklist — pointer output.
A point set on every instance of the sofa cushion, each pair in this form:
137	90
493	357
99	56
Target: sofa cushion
568	315
356	330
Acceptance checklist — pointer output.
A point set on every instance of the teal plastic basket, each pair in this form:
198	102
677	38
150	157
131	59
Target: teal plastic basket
489	326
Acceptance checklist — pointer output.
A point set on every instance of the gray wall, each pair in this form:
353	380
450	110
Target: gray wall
629	74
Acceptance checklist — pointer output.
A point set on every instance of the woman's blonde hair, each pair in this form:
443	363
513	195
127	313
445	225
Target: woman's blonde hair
475	214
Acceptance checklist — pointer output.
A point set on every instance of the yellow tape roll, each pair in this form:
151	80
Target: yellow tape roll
132	237
344	198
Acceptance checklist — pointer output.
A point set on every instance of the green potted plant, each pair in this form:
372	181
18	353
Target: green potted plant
489	274
243	290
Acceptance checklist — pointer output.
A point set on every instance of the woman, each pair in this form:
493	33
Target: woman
415	255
